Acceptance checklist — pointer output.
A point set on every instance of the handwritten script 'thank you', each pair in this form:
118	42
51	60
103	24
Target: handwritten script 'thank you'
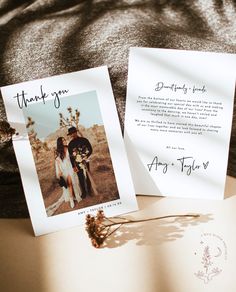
23	100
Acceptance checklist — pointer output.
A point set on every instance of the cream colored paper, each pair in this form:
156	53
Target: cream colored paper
161	256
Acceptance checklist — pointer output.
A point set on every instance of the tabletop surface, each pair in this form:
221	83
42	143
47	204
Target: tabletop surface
173	255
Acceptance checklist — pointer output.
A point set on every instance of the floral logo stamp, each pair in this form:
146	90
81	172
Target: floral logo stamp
212	254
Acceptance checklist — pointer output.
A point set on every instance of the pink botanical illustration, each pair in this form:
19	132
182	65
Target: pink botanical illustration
208	272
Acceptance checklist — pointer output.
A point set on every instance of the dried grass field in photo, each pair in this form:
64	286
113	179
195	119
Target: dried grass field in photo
101	170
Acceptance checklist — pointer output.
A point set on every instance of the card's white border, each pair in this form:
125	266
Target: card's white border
96	79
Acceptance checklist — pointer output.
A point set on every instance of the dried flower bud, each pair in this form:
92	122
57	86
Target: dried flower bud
6	131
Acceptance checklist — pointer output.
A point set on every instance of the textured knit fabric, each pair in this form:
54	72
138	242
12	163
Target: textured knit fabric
42	38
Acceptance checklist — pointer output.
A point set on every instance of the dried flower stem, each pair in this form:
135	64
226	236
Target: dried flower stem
128	221
99	226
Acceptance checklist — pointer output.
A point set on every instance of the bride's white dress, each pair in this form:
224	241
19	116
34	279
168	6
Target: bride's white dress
64	166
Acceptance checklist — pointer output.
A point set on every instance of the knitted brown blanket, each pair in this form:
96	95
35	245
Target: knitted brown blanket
40	38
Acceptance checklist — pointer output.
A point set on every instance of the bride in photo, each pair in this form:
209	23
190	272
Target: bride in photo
68	179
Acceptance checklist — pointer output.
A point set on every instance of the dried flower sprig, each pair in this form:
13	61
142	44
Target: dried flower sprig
6	131
100	227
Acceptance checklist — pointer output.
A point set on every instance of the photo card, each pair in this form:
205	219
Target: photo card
69	148
178	120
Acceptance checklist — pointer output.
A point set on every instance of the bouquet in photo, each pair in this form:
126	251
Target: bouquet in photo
80	156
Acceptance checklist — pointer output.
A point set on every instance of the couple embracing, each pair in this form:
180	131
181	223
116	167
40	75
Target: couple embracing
72	165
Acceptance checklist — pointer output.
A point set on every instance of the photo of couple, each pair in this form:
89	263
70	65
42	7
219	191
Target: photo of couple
71	153
72	166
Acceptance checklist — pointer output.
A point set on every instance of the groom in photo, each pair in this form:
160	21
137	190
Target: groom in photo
80	149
